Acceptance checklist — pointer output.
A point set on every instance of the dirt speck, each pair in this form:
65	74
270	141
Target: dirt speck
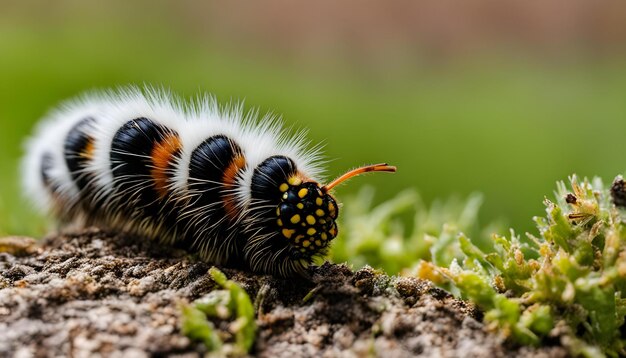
95	292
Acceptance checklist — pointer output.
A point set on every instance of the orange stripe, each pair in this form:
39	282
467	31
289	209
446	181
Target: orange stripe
87	153
230	180
162	155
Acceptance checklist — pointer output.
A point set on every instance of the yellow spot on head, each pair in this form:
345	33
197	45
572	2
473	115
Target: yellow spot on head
295	219
278	211
306	243
287	233
295	181
283	187
310	219
303	192
331	207
319	201
311	231
285	196
279	222
300	206
319	212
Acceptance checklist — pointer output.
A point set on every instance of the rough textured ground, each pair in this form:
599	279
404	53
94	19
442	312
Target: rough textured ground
96	292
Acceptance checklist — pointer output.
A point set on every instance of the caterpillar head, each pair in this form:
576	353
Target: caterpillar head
306	216
307	211
292	219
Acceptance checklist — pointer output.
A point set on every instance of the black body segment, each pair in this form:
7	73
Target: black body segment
208	163
269	175
265	249
208	227
131	164
47	164
77	151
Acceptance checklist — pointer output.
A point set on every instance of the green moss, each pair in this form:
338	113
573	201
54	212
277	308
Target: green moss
568	281
376	236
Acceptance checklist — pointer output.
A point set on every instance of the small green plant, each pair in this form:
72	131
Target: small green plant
377	236
568	281
571	278
231	303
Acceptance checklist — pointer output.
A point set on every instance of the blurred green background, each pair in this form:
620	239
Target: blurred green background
502	99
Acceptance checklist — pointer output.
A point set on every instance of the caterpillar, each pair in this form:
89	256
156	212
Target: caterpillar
231	186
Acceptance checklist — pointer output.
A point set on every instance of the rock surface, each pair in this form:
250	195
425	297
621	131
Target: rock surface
97	292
